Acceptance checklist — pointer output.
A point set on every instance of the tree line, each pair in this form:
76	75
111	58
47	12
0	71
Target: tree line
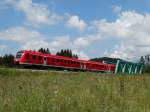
63	52
145	61
8	59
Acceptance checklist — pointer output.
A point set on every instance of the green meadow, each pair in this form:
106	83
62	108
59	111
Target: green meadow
33	91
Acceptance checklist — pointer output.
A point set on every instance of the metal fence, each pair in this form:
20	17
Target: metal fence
123	67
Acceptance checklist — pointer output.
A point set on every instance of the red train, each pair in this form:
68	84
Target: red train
32	58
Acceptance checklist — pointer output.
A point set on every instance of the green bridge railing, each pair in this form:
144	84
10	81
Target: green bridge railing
124	67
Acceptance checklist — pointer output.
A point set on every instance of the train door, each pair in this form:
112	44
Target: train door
88	66
83	66
45	60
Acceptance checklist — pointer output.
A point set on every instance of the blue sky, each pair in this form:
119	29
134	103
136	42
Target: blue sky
95	28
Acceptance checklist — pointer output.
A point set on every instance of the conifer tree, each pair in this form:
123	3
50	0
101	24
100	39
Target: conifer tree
66	53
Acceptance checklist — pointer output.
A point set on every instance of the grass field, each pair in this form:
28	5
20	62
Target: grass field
27	91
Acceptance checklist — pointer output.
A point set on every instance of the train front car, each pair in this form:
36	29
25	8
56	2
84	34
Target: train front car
19	57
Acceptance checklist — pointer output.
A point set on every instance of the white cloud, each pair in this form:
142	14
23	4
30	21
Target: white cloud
130	29
35	44
129	26
81	42
81	55
31	39
106	52
75	22
19	34
116	9
62	42
123	52
36	14
86	40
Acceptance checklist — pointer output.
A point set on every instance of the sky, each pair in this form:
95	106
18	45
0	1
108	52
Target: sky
90	28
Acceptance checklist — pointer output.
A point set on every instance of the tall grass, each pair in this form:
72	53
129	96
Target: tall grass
27	91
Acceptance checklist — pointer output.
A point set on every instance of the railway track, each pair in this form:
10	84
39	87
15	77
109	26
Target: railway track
45	70
64	72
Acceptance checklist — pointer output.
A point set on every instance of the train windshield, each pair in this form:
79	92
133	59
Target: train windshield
19	54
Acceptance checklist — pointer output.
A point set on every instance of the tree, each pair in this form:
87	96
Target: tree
142	60
147	59
75	56
1	59
66	53
7	60
44	51
41	50
47	51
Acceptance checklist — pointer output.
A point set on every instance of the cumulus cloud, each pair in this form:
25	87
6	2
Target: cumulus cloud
59	42
31	39
35	13
130	26
75	22
35	44
81	55
19	34
63	42
130	29
116	9
86	40
123	52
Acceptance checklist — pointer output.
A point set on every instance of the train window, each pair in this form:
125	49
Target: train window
65	61
57	60
45	58
27	56
40	58
34	57
19	54
61	60
68	62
